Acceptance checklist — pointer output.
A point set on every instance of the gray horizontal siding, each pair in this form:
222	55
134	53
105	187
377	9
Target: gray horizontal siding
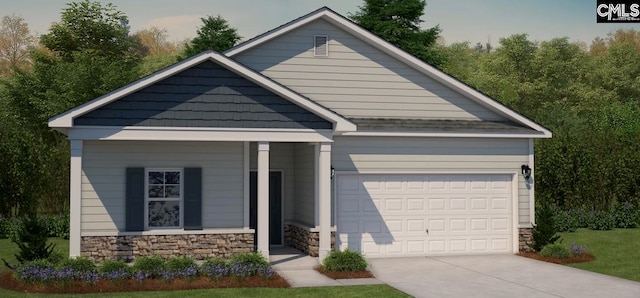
435	154
357	80
103	179
205	95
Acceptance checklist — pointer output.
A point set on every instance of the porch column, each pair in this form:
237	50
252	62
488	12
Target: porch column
75	198
263	199
323	171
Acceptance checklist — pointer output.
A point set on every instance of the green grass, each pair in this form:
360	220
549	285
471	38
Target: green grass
617	252
9	249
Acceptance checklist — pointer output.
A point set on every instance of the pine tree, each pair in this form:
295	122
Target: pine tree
32	240
544	231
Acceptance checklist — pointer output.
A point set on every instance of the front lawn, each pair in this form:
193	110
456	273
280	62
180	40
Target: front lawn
617	252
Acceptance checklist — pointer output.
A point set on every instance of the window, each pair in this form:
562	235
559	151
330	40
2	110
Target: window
321	46
163	196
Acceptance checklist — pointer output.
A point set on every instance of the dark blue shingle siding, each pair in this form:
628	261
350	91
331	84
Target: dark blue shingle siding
206	95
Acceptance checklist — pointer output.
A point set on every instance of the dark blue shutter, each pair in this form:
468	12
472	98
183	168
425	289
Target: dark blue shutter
135	199
192	198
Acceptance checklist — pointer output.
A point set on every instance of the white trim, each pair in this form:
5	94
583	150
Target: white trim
65	120
262	199
323	181
147	199
172	232
395	52
316	201
531	183
75	198
246	183
444	134
187	134
515	220
426	172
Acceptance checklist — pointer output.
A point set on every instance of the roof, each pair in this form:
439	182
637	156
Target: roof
66	119
430	71
429	125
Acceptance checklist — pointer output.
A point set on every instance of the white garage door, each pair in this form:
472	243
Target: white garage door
387	215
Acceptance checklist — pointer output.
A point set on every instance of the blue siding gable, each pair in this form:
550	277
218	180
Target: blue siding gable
206	95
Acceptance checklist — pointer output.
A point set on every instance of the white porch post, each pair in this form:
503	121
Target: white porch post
323	171
263	198
75	198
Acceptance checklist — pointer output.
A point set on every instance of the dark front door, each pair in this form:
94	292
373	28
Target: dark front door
275	206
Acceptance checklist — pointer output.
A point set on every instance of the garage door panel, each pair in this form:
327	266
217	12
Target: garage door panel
462	213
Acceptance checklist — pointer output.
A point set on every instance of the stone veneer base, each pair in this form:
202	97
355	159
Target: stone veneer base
525	238
304	240
199	247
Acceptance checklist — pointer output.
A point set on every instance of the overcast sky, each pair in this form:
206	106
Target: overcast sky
460	20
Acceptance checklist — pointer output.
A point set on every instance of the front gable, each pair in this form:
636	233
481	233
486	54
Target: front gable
205	95
366	77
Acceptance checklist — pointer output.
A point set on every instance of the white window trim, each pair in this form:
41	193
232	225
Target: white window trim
315	46
146	198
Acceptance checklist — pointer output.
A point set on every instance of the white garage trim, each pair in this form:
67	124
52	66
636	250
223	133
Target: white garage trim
511	177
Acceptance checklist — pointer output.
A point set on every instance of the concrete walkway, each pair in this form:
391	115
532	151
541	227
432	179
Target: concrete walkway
496	276
297	269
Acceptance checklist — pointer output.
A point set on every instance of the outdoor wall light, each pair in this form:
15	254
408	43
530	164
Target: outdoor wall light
333	172
526	172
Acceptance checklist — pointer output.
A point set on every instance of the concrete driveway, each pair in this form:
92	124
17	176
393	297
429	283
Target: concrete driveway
496	276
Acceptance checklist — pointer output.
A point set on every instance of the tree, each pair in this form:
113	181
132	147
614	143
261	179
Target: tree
398	22
91	26
15	43
154	42
215	34
544	231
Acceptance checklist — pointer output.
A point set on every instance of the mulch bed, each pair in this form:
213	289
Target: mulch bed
587	257
344	274
103	286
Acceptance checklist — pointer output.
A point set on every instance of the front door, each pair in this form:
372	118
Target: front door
275	206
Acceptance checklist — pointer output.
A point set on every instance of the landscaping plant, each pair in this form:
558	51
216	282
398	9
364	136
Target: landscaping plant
32	240
345	260
544	231
602	220
555	250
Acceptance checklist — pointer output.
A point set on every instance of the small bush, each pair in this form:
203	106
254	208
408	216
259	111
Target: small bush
180	263
57	225
577	250
626	215
109	266
544	232
79	264
9	227
56	257
556	250
346	260
32	240
602	220
248	264
565	221
215	268
152	266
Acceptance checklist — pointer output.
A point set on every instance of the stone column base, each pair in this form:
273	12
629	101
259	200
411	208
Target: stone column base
199	246
303	239
526	238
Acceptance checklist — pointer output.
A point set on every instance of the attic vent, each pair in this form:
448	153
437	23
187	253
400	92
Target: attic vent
321	46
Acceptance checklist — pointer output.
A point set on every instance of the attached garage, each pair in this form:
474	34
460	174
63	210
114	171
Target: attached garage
385	215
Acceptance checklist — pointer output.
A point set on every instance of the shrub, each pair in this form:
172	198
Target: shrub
57	225
544	232
151	266
32	240
9	227
79	264
577	250
109	266
626	215
248	264
215	268
346	260
556	250
180	263
56	257
565	221
602	220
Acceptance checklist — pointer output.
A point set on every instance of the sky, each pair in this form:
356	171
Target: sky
460	20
